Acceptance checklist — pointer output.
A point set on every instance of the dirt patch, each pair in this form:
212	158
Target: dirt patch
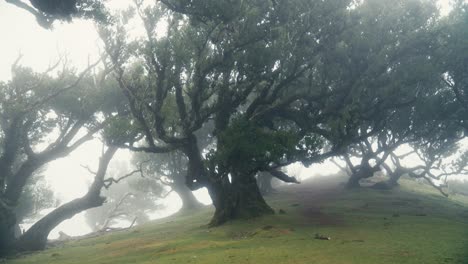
316	216
312	195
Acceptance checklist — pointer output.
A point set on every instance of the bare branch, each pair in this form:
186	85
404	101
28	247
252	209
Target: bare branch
88	169
112	214
429	180
109	181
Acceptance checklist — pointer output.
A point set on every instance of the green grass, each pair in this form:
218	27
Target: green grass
412	224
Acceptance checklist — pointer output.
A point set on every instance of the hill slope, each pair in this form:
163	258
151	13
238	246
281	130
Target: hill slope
412	224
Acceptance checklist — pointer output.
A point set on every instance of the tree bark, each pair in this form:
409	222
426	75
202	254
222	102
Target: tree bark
7	228
353	181
363	172
35	238
18	181
240	199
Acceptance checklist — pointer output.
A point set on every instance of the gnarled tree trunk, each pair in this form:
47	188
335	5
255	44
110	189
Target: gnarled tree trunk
35	238
240	199
362	172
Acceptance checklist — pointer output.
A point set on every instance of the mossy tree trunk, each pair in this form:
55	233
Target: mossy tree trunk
241	199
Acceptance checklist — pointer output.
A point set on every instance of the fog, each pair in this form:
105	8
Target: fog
79	44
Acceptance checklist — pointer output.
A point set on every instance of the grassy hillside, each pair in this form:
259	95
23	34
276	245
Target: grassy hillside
413	224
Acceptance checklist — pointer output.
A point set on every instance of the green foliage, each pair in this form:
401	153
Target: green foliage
120	130
48	11
246	147
284	81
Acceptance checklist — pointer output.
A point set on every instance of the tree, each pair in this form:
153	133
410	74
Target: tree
254	57
281	81
366	151
42	119
131	200
453	58
169	170
35	238
386	57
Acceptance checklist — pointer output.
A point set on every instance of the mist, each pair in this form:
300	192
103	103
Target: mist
233	122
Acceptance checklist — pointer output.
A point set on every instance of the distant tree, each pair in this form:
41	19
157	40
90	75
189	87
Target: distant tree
37	195
438	118
169	170
392	66
131	200
372	156
458	187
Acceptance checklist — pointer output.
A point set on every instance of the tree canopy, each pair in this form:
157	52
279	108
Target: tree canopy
217	92
281	82
48	11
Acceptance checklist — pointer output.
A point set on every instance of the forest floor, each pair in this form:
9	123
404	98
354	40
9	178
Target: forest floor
411	224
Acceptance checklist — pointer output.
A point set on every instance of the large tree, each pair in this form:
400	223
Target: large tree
43	118
281	81
239	67
386	59
35	238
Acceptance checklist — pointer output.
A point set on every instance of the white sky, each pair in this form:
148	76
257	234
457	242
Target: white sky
79	42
